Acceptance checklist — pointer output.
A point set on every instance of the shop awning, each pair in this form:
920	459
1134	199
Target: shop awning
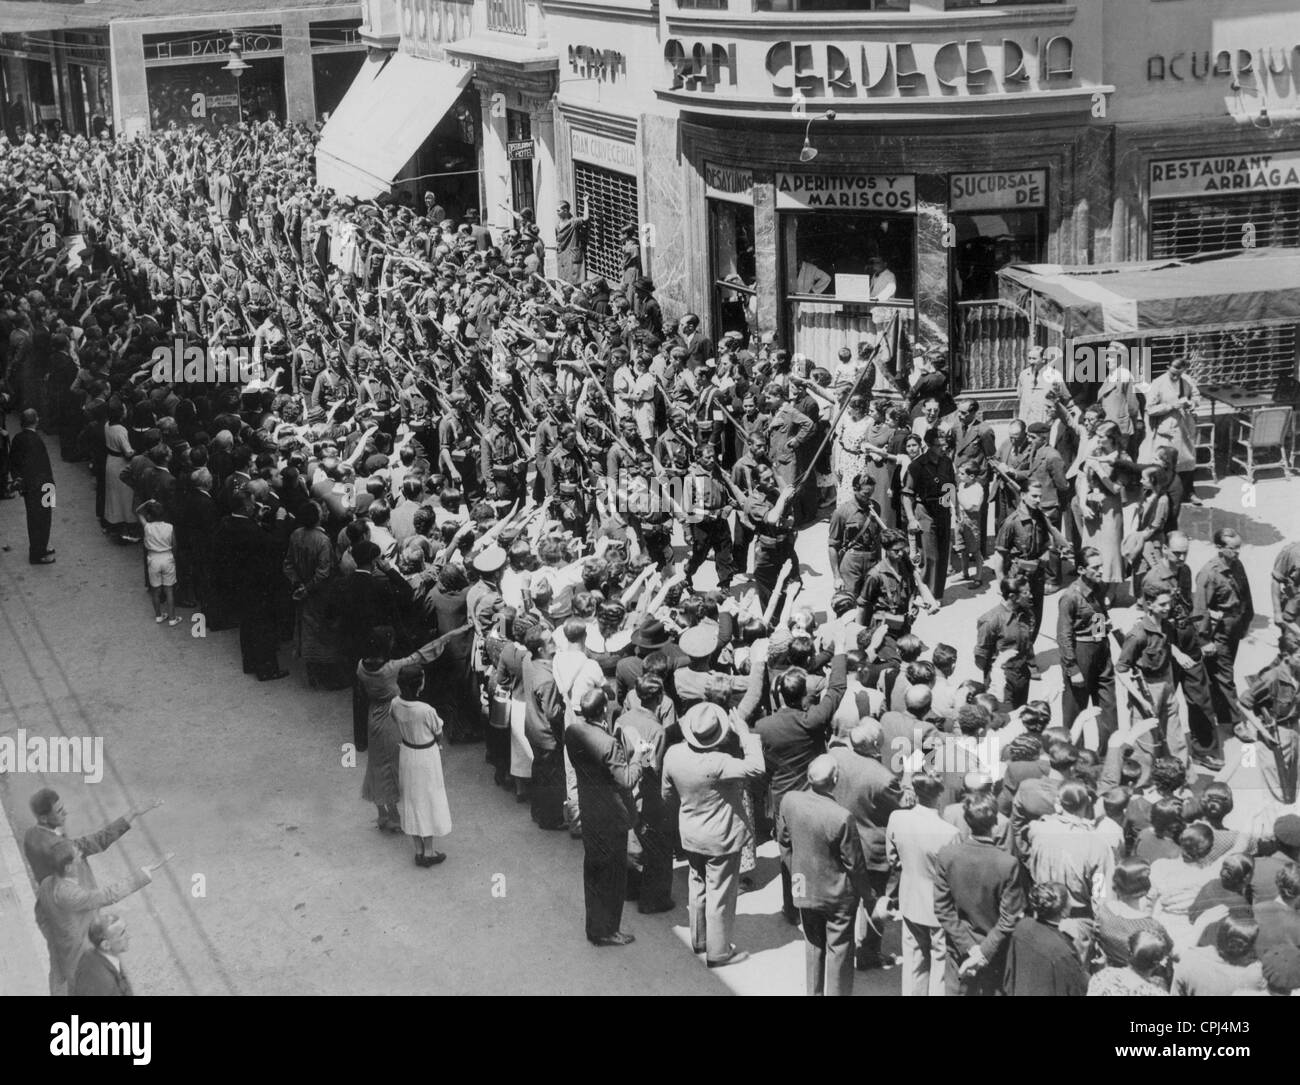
382	121
1132	301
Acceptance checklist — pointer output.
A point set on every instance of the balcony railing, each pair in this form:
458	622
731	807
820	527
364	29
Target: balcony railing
507	16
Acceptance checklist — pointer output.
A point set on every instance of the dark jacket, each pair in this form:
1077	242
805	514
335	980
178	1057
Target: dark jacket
978	896
96	978
793	737
825	852
607	780
870	793
1042	961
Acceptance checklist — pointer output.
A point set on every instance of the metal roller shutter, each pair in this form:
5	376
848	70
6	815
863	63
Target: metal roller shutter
1255	358
1181	228
612	200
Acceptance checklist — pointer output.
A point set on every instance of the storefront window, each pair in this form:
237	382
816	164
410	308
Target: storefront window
989	242
838	255
206	93
731	237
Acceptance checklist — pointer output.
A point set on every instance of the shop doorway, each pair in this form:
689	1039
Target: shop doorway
990	339
732	269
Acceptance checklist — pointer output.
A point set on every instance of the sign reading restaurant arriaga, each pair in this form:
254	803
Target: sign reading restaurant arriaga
1172	178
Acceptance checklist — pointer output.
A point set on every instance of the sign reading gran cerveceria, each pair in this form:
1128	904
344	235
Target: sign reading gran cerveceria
1235	173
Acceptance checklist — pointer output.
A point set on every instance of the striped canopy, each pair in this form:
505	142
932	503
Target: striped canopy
1127	301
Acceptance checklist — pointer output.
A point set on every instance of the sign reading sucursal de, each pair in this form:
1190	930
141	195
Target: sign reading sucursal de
846	191
1016	190
1177	177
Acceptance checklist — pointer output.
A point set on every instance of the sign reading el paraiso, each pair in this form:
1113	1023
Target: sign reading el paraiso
1177	177
846	192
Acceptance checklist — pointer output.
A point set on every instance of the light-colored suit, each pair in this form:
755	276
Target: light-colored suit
64	912
912	842
708	785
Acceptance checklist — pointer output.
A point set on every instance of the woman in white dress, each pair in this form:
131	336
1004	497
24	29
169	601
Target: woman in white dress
851	457
423	808
119	497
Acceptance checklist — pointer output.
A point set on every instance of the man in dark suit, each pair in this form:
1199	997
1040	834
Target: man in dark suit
30	464
870	791
652	883
373	595
978	896
607	780
246	576
99	972
792	737
829	874
697	345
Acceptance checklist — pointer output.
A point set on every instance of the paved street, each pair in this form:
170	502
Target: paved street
281	884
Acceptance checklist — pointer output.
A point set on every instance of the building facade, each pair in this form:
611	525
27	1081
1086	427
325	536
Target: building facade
834	170
172	69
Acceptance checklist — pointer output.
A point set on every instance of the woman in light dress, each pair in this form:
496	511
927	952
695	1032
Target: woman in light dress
851	455
423	807
119	497
377	683
1099	487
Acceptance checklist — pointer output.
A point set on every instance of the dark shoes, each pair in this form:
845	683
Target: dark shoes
866	962
430	860
274	676
734	957
655	909
791	916
622	938
47	559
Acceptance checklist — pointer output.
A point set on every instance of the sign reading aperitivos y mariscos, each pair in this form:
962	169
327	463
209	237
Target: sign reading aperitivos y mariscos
1014	190
1172	178
845	192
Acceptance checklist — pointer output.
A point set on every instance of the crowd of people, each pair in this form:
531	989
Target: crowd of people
478	497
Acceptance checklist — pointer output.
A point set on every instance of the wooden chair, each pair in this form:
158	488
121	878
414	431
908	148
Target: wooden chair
1262	441
1206	430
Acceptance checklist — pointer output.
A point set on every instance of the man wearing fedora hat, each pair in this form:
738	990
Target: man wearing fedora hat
708	782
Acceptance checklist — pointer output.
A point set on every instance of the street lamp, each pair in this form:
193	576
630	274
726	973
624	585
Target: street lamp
236	66
808	152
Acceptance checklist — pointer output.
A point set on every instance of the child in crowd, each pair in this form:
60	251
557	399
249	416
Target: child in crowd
160	561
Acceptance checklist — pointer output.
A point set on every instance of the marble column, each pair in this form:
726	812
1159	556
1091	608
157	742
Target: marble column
932	254
766	271
666	256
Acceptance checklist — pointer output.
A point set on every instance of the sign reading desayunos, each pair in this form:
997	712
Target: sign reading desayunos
1015	190
597	150
728	183
845	192
1177	177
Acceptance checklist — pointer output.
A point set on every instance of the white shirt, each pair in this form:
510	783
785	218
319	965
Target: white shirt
883	286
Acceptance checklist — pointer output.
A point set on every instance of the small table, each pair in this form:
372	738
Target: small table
1236	401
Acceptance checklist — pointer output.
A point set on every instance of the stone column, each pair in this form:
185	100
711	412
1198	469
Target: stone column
130	88
496	169
546	192
931	285
299	78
